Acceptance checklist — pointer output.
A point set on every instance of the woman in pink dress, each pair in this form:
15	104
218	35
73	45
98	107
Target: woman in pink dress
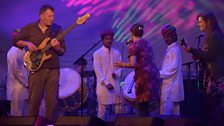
146	77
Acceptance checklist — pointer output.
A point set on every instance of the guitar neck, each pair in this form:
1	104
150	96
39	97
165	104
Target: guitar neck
60	36
79	21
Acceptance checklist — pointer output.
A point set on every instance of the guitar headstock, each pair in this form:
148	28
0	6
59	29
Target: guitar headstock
83	19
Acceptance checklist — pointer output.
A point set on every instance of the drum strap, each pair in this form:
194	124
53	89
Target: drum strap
131	86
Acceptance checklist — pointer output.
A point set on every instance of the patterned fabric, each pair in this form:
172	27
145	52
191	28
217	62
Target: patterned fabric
213	87
146	73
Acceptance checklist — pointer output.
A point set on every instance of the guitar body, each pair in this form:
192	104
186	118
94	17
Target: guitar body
34	60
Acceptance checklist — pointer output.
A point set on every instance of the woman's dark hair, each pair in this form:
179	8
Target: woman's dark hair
211	22
137	30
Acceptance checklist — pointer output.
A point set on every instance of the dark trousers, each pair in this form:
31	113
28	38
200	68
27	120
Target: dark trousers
44	83
142	108
213	111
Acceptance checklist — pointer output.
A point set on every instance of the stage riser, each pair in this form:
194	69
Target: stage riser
119	121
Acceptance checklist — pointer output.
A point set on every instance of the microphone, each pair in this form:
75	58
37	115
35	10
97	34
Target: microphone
199	36
128	42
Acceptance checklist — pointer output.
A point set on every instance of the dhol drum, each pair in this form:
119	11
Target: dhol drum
70	91
128	88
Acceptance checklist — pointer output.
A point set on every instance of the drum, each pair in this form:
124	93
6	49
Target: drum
70	91
128	88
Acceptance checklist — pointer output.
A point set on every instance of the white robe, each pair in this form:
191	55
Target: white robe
17	79
171	74
17	82
103	67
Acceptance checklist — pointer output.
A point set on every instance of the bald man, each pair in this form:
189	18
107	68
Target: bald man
172	91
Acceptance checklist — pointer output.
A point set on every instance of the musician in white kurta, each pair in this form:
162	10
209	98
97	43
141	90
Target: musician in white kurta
108	77
172	91
17	81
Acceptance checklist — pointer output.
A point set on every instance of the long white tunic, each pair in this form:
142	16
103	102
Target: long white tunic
171	74
103	67
17	80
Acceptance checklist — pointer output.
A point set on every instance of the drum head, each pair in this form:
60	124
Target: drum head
69	82
128	88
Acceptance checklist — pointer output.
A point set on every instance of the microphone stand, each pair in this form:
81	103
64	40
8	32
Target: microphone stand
82	73
188	69
197	64
187	99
